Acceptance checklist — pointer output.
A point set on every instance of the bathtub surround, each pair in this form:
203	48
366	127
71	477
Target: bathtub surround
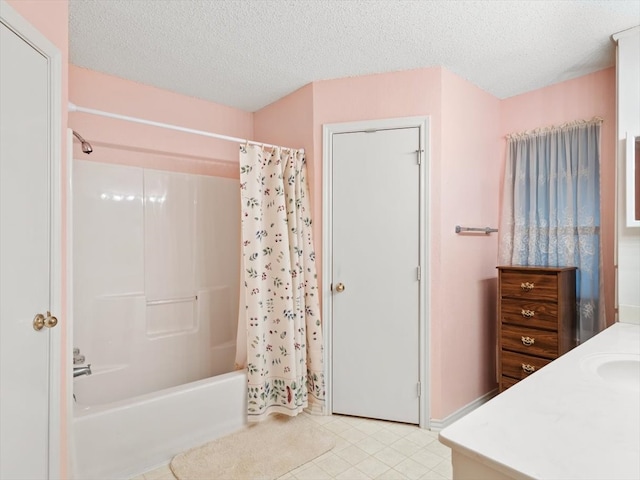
155	278
551	209
263	451
282	314
155	302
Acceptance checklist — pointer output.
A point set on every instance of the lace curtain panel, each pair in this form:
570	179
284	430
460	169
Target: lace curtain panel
551	210
280	331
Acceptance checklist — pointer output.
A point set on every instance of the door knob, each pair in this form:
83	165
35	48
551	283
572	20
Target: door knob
40	321
340	287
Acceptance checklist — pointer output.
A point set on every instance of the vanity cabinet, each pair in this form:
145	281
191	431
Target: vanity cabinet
536	319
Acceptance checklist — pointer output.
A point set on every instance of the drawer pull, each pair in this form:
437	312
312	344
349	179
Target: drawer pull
528	368
527	313
528	341
526	286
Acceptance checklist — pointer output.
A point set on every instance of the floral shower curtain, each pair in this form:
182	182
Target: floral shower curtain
551	209
280	331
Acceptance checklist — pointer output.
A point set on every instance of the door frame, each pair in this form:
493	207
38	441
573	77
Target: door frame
21	27
328	130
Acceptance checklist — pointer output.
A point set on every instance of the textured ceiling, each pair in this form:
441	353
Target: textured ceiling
249	53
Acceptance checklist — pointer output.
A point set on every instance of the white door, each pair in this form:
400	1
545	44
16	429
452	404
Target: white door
25	257
376	254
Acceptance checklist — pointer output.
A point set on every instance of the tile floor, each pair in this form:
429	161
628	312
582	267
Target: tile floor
366	449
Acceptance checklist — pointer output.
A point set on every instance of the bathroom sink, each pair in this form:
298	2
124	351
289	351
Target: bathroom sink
617	369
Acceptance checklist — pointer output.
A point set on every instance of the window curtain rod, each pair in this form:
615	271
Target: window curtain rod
553	128
75	108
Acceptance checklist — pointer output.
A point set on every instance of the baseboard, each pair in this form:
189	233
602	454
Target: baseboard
438	424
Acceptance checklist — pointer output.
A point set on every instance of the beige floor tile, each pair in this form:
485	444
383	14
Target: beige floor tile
353	474
139	477
439	449
352	454
391	474
337	426
353	421
369	426
333	464
390	456
421	438
431	475
411	469
385	436
444	468
427	458
370	445
341	443
353	435
401	429
322	419
372	467
405	446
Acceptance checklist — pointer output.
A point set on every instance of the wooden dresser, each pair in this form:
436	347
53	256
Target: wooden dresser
536	319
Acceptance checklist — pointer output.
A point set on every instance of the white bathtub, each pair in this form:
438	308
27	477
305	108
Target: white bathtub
128	437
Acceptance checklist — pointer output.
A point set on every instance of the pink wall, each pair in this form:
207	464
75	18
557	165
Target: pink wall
464	278
388	95
467	155
51	18
454	105
580	98
473	164
287	122
118	141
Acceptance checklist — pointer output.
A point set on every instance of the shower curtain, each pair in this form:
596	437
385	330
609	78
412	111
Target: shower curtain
279	328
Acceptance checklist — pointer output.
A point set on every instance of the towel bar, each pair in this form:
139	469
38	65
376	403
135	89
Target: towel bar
486	230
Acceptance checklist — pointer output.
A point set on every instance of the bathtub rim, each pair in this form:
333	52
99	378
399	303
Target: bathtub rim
80	410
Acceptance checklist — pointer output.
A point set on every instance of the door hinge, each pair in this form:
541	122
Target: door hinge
419	272
419	389
420	152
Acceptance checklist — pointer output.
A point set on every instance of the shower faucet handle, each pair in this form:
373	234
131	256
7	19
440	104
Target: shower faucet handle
78	358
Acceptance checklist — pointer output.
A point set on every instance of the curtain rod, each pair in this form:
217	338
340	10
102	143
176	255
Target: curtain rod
75	108
554	128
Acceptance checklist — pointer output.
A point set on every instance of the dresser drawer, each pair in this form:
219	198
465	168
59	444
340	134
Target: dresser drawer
527	285
506	382
517	365
530	341
529	313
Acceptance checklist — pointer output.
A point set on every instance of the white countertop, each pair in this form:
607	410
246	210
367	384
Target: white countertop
564	421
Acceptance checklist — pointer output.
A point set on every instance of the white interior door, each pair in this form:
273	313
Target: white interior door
25	257
376	255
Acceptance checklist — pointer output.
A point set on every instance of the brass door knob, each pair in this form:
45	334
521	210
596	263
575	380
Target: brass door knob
40	321
340	287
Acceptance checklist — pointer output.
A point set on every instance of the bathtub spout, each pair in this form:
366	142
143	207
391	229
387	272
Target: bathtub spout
77	371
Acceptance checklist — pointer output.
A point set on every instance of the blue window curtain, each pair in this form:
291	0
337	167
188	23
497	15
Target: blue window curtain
551	209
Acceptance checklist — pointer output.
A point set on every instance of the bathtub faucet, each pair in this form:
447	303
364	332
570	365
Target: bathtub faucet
84	370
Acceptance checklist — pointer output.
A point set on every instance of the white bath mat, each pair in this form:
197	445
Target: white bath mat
261	451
